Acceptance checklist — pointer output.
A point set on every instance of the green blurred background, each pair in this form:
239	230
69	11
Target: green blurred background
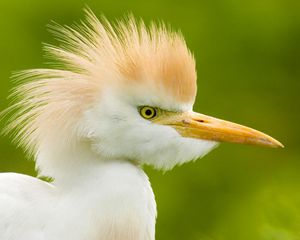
248	62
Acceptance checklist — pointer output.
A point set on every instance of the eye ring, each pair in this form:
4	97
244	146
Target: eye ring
148	112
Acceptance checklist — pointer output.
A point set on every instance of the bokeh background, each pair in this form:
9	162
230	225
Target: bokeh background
248	61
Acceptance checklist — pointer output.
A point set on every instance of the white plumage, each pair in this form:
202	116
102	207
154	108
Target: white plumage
121	98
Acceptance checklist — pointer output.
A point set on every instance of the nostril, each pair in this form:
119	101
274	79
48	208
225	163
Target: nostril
187	121
200	120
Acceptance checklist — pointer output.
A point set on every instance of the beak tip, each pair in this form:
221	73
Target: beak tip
280	145
276	144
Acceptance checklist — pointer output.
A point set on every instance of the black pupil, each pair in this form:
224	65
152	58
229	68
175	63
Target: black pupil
148	112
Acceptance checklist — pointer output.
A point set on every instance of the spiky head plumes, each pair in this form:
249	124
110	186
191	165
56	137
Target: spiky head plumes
104	72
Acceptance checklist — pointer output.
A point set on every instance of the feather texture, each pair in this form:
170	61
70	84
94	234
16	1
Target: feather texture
93	55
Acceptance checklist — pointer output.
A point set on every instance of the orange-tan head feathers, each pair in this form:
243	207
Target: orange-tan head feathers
129	52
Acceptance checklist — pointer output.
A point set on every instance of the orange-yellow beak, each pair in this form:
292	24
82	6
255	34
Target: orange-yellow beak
196	125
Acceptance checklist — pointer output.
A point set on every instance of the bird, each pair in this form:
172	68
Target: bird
117	96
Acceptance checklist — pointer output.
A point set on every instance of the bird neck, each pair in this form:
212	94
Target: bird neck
113	194
68	165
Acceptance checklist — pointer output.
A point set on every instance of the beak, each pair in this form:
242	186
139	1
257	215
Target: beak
196	125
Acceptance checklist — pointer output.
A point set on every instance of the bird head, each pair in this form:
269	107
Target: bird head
124	90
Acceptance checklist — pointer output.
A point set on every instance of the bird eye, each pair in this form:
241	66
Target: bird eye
148	112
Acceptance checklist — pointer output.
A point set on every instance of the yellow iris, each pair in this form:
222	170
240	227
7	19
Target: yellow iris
148	112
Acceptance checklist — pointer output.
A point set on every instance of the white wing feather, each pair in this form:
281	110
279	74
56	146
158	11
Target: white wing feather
21	201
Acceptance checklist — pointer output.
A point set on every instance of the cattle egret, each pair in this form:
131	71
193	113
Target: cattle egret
120	96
